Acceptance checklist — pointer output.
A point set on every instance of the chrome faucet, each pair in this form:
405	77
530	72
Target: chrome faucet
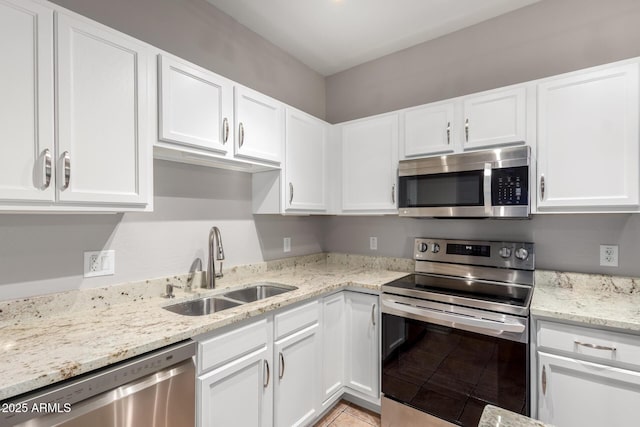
214	237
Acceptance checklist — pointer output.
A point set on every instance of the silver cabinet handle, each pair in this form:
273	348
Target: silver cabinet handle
373	315
542	187
466	130
46	168
543	380
281	365
393	193
448	133
66	165
290	193
266	367
225	130
594	346
241	135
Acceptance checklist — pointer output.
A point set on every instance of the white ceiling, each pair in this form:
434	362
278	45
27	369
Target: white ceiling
334	35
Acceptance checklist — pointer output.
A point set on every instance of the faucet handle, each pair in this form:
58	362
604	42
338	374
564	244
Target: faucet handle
169	290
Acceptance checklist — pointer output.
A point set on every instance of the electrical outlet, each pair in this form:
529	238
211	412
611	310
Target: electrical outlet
287	244
373	243
609	255
99	263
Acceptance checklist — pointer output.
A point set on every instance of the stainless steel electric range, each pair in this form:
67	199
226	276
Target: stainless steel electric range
455	334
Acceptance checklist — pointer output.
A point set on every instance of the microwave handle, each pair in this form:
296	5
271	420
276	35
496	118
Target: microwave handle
487	188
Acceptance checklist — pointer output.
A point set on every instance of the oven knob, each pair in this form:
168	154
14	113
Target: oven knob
505	252
422	247
435	248
522	254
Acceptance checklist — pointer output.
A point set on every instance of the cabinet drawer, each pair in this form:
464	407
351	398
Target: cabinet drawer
231	345
595	343
296	319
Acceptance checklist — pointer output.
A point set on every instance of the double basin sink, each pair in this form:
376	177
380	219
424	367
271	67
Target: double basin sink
230	299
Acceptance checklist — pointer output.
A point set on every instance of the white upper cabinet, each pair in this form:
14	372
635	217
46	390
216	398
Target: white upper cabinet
305	162
588	140
26	104
101	160
370	164
195	106
494	118
259	126
428	129
103	145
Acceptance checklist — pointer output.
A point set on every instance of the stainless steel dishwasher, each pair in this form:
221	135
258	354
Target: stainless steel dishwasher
156	389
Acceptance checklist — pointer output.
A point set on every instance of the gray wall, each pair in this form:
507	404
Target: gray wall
44	253
200	33
546	38
563	242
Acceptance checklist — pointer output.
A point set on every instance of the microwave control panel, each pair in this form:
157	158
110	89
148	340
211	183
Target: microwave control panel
510	186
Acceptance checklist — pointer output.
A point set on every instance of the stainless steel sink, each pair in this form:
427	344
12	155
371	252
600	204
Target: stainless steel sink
202	306
258	291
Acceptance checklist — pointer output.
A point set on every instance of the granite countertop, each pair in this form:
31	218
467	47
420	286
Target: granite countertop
51	338
493	416
592	299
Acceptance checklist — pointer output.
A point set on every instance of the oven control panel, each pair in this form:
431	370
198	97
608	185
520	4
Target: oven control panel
518	255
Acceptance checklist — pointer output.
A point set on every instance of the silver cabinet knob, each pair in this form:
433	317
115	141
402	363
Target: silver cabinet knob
435	248
522	254
422	247
505	252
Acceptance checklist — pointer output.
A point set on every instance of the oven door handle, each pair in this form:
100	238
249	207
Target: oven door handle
428	314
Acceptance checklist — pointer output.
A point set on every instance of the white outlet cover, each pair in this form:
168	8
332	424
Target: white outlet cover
373	243
609	255
287	244
99	263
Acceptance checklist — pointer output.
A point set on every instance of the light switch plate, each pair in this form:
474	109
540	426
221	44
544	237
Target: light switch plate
609	255
287	244
99	263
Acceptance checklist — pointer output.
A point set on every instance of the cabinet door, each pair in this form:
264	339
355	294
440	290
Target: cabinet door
576	393
494	118
305	162
370	164
363	352
297	385
428	130
259	126
196	106
103	145
333	345
237	394
588	139
26	104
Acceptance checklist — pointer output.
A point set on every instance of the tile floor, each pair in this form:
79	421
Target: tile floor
347	414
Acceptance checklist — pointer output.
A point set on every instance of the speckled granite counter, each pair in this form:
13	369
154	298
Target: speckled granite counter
48	339
493	416
593	299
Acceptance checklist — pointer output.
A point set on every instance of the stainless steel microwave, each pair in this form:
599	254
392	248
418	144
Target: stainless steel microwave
480	184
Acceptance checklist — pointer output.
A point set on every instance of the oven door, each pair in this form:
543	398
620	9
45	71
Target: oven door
448	362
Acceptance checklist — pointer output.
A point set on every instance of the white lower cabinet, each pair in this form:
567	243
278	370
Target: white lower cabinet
585	377
237	394
333	348
362	349
286	368
234	385
296	387
573	392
